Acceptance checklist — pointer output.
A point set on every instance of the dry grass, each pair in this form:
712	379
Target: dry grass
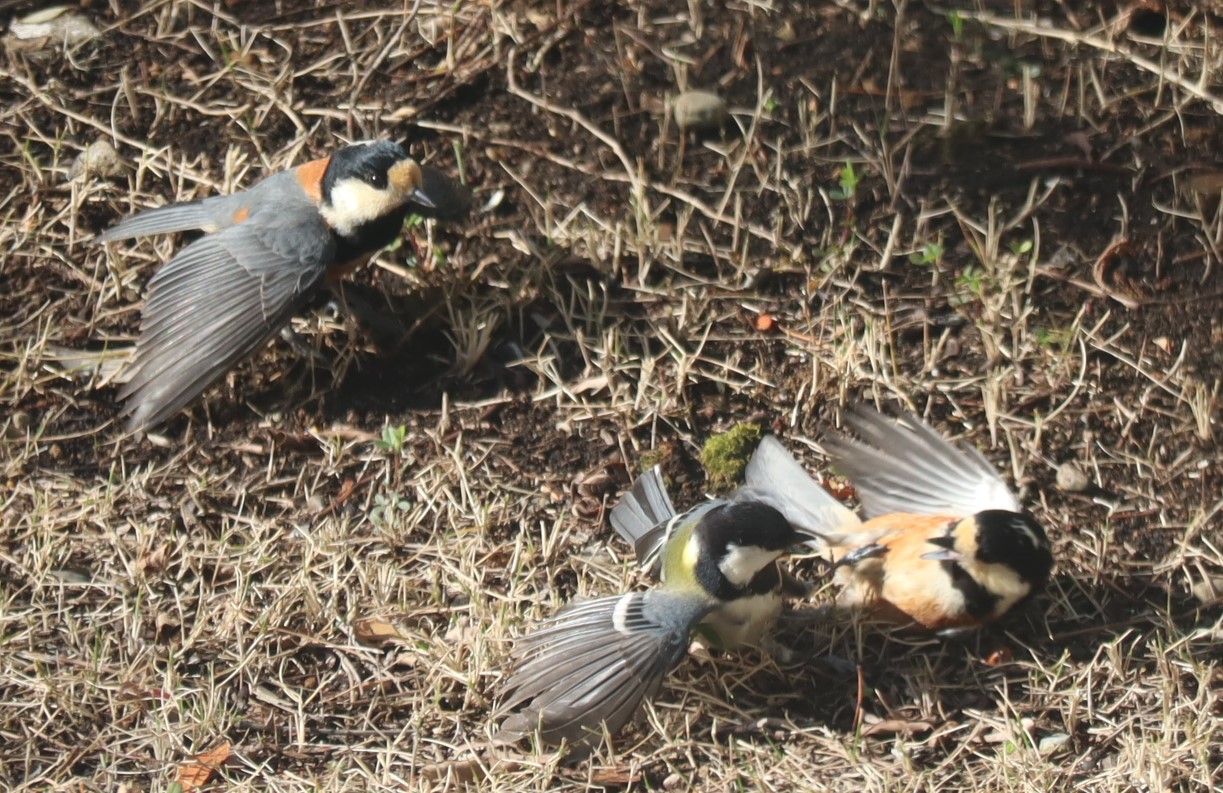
323	565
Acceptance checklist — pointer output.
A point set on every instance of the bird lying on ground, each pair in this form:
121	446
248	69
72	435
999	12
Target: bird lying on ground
945	545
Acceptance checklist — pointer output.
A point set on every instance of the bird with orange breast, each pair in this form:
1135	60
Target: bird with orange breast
945	543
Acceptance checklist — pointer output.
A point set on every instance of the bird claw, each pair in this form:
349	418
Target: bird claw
300	346
783	655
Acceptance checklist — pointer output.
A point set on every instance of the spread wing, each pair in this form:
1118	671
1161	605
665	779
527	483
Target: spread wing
215	303
213	213
776	478
903	465
594	664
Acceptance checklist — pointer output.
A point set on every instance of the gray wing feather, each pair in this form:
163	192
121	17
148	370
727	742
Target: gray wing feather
906	466
213	305
776	478
643	514
594	664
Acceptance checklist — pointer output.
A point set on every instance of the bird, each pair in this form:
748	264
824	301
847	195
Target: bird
590	667
265	254
945	544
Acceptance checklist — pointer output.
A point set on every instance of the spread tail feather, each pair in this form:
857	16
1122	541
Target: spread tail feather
643	513
162	220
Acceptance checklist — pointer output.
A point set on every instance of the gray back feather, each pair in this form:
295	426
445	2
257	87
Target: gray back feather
209	214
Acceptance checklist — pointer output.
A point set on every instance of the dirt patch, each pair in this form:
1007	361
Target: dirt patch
921	201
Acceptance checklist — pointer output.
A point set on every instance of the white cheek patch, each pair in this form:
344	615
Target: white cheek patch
354	203
742	562
1002	582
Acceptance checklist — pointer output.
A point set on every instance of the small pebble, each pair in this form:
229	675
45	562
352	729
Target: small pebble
1071	478
50	28
1210	591
98	159
1054	743
699	110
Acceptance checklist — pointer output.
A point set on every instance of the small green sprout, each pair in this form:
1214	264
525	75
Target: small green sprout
392	439
931	253
849	184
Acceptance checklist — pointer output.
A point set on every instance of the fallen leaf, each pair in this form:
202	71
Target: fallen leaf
346	490
155	561
197	773
166	625
605	777
461	771
376	632
1210	183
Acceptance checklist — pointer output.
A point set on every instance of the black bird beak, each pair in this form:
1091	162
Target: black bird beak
418	197
948	554
804	542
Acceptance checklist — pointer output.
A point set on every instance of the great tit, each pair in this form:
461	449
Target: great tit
590	667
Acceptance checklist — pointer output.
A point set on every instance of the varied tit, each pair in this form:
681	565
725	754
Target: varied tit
591	666
945	544
267	252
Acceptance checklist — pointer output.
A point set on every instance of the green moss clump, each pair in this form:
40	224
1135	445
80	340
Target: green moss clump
725	456
652	457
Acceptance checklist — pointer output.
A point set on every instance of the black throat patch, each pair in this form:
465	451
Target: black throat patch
370	237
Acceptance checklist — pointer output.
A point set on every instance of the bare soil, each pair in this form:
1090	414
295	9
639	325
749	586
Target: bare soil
1004	217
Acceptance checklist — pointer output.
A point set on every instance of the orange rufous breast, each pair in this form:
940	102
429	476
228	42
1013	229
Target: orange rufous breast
901	585
911	532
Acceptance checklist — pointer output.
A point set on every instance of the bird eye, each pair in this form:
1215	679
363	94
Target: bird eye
377	180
